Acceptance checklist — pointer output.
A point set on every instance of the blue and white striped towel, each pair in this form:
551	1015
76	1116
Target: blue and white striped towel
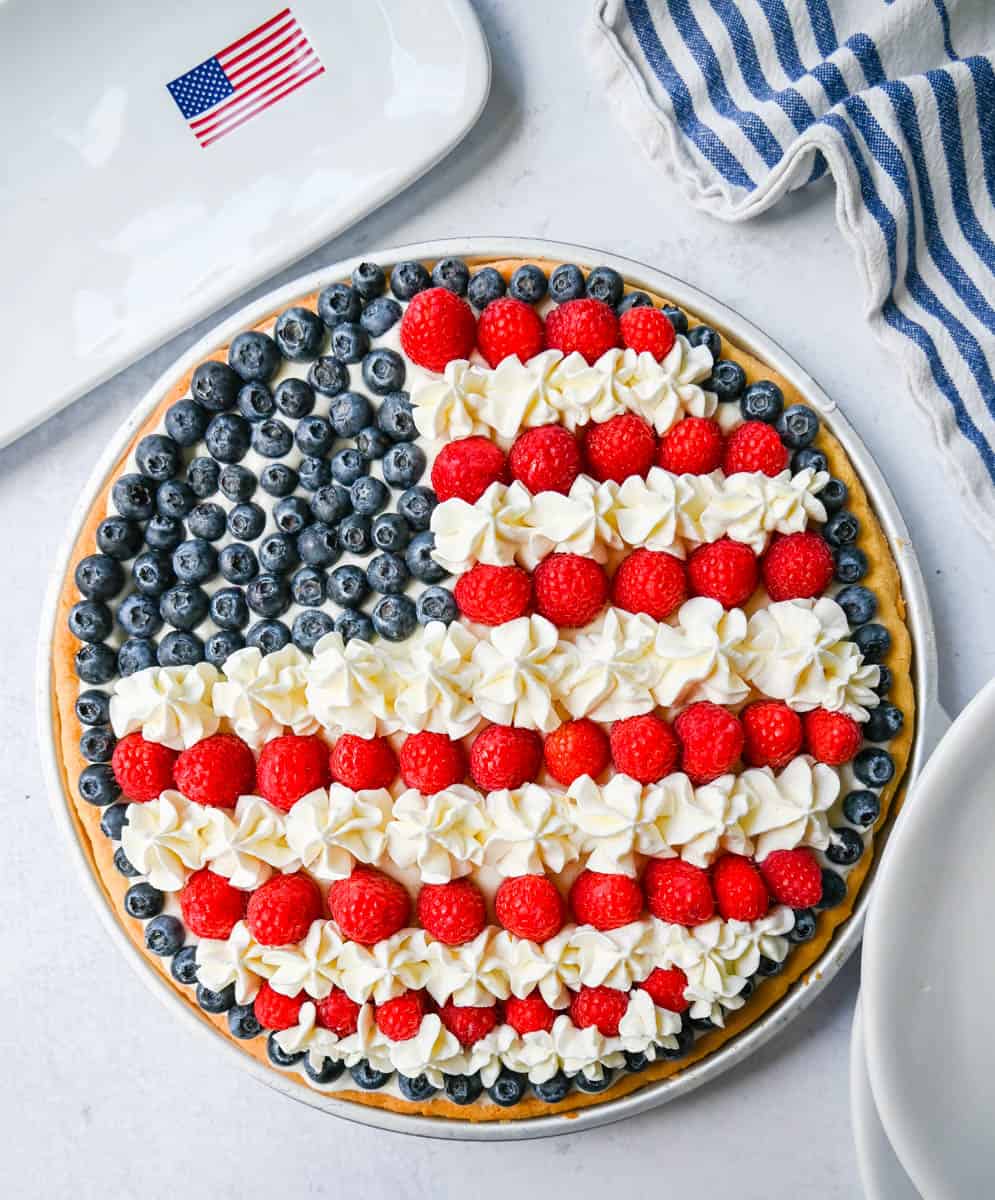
744	100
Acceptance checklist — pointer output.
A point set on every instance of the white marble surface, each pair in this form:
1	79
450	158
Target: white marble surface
102	1096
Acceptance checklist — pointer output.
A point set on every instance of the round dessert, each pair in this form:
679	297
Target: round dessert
478	687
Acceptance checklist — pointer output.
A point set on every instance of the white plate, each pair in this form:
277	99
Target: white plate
119	229
928	969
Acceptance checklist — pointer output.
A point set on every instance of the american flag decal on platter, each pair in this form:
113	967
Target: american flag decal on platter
245	78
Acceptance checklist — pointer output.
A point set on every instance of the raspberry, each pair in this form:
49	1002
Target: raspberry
797	567
576	748
570	590
605	901
452	913
468	1023
369	906
692	447
530	1014
651	582
666	988
289	767
678	892
644	748
142	769
772	734
337	1013
401	1018
493	595
619	447
509	326
647	330
546	459
740	892
726	571
211	907
216	771
711	740
831	737
588	327
431	762
793	876
530	907
467	468
362	763
281	911
437	327
505	757
602	1007
754	446
274	1011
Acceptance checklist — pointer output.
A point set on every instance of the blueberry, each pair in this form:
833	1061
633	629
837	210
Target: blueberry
278	552
255	402
635	1061
369	280
122	865
417	1088
364	1076
183	968
508	1088
804	927
97	744
313	473
328	1072
485	286
404	464
861	807
339	302
277	479
202	477
93	708
348	466
633	300
164	533
380	315
164	936
768	967
845	847
842	529
851	564
134	496
331	503
157	457
354	534
553	1090
119	538
143	901
90	621
136	654
606	285
349	412
180	649
704	335
396	417
797	426
95	664
873	641
243	1023
685	1040
184	606
387	574
220	646
395	618
369	495
268	636
762	401
139	615
383	371
308	587
279	1057
294	398
349	342
291	514
238	563
677	318
195	561
703	1024
859	603
408	278
420	562
834	495
186	421
372	443
174	498
318	545
727	380
328	376
215	385
268	596
228	608
808	459
298	334
348	586
207	521
390	532
237	484
351	625
884	723
272	439
314	435
463	1089
452	274
112	820
228	437
246	522
874	767
216	1002
254	356
97	785
99	577
833	889
593	1086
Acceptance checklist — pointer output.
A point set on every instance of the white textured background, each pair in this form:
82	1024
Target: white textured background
100	1093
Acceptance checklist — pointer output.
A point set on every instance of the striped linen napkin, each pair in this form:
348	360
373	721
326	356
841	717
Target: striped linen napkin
744	100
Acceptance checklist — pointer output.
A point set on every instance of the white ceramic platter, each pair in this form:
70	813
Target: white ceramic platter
119	229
